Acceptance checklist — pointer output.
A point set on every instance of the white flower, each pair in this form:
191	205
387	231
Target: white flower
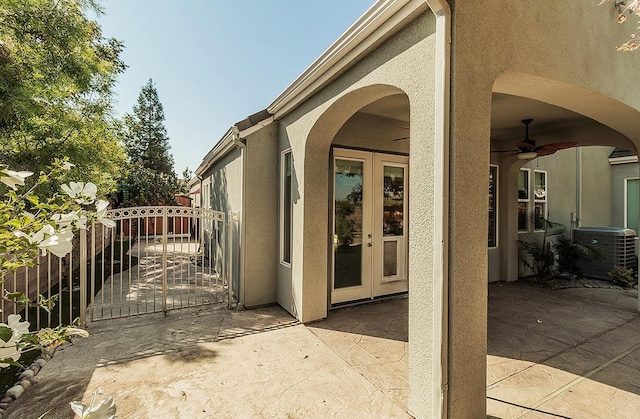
101	210
19	328
11	178
73	331
67	166
66	221
83	193
8	349
58	243
106	409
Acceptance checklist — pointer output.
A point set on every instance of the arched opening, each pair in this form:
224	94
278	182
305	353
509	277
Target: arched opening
539	338
369	203
361	148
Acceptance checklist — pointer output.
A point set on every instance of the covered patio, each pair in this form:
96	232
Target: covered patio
552	353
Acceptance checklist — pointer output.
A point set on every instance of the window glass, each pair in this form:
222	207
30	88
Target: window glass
393	205
523	216
287	207
540	186
493	202
523	184
348	182
539	215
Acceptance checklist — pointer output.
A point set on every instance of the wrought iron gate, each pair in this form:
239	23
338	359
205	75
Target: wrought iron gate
155	259
158	259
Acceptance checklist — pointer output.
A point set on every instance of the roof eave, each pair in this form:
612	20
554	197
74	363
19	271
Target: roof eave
223	146
383	17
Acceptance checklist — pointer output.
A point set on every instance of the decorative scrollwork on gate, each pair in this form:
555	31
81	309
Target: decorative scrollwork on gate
159	211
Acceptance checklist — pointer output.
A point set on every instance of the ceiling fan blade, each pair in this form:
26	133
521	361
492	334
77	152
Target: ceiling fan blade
526	145
549	149
400	139
505	151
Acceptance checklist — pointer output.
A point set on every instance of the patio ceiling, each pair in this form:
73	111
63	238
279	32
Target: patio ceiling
507	113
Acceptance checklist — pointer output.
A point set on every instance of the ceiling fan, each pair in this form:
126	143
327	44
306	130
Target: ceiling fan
528	150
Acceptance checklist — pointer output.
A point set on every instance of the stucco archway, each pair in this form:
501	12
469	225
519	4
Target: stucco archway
316	187
562	113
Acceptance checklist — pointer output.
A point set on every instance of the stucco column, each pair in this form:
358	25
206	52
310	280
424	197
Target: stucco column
468	226
508	218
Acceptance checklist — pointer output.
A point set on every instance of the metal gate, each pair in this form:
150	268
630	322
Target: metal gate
157	259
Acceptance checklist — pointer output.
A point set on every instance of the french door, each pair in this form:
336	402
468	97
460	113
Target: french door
370	237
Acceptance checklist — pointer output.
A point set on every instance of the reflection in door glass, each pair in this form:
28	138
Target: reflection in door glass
393	201
348	223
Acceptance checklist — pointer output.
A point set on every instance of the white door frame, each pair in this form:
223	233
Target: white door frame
373	283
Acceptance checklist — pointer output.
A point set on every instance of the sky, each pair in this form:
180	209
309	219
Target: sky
215	62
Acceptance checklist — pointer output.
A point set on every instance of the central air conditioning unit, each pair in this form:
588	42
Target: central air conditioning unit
617	247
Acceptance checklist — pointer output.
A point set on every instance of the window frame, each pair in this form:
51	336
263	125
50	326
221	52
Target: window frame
626	201
496	210
286	251
526	201
540	201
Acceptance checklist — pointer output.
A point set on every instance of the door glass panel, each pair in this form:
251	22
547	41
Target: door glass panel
393	202
390	266
348	224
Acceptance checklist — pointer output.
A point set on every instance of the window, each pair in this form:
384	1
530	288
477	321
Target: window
286	206
493	206
632	204
532	199
540	199
523	200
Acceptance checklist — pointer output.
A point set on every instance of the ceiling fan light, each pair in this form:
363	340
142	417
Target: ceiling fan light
527	155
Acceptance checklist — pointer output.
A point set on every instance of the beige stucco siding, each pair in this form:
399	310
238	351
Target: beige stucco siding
620	172
261	218
225	178
398	65
597	203
558	52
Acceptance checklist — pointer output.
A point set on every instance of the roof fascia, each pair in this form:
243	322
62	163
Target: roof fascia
371	27
224	146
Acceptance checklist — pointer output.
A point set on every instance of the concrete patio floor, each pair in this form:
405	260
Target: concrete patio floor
567	353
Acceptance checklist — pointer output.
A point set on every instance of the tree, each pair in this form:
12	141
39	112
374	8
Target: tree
142	186
630	7
146	136
56	78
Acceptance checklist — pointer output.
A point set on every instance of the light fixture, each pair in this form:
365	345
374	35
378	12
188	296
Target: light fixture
527	155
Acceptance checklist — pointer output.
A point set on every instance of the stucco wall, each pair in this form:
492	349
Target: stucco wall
597	203
403	64
222	191
620	172
558	52
396	66
225	178
261	218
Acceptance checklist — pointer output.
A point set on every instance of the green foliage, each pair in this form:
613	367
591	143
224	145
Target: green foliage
56	78
345	225
30	225
145	134
142	186
570	253
622	276
538	246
